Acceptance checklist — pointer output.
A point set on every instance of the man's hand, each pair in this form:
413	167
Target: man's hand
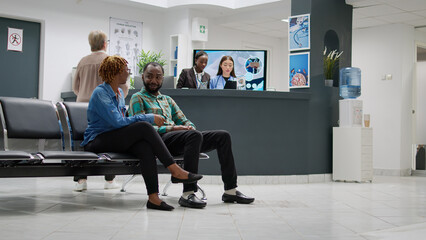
159	120
181	127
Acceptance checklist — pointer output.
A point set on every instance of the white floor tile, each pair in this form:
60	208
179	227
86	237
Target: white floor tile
286	207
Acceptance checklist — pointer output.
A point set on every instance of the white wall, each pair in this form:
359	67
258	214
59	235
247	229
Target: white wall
379	51
66	25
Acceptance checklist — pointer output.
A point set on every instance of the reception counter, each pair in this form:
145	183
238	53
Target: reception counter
269	130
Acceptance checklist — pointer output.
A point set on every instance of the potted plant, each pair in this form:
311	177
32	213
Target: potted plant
330	63
144	58
147	57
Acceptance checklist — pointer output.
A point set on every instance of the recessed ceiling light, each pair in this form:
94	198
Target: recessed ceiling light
284	19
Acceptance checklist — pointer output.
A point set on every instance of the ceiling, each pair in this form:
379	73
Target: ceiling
265	18
370	13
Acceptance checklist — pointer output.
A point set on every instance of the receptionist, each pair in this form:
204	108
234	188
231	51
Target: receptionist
225	73
195	77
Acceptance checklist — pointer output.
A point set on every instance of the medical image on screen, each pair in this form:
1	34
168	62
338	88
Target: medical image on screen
249	67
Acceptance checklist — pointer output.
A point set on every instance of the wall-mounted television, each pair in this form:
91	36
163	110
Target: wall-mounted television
249	66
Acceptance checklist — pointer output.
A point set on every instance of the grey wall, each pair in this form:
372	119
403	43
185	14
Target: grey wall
327	16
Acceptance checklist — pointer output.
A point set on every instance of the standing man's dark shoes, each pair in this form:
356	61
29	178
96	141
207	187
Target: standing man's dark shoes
192	202
238	197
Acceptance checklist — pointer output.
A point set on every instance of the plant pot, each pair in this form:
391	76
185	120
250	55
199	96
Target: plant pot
328	82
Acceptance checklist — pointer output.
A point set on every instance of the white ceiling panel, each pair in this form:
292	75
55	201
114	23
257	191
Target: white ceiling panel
421	22
421	13
233	24
362	3
276	25
357	15
407	5
276	34
252	29
400	17
368	22
377	10
266	17
257	20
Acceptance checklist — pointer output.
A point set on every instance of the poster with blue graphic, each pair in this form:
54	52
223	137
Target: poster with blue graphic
299	36
298	70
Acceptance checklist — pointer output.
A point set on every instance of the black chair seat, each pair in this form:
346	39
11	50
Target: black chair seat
15	155
118	157
68	155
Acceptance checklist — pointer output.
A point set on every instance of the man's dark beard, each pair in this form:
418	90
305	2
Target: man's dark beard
152	91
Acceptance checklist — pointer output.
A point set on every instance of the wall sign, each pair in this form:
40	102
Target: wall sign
15	39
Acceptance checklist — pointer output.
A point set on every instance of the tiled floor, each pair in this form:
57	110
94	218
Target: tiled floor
47	208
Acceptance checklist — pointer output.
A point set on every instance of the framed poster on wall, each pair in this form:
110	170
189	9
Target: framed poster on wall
125	40
298	68
299	34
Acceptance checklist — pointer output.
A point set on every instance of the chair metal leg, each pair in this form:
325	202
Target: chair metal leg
128	180
166	187
204	197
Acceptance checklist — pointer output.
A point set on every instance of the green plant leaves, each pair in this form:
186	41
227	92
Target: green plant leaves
147	57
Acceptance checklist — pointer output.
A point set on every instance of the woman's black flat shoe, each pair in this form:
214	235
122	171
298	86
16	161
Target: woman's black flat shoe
163	206
192	178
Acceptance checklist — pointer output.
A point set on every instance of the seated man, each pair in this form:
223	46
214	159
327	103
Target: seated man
180	137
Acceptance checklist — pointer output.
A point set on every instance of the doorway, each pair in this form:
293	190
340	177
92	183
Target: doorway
20	69
419	112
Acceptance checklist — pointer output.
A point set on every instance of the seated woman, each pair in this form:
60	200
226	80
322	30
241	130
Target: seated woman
109	130
195	77
225	73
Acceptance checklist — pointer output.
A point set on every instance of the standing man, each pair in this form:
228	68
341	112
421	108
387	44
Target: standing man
180	137
86	79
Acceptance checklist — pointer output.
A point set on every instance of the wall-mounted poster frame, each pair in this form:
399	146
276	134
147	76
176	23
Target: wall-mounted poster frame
299	70
125	40
299	33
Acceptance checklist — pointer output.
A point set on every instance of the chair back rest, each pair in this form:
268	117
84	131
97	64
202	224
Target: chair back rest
76	117
24	118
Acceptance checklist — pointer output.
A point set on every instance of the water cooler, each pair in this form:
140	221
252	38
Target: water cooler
352	143
350	113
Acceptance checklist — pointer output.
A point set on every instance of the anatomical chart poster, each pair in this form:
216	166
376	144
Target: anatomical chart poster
125	40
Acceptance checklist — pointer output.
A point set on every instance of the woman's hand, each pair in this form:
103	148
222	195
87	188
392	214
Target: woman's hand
159	120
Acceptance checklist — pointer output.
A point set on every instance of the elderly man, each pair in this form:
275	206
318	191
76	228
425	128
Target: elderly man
180	137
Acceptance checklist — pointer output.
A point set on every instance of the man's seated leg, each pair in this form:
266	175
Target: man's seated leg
188	143
221	141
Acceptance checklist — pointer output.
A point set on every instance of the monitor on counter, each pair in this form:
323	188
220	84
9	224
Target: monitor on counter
249	65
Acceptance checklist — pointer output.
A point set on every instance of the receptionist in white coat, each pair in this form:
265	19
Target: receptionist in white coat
225	73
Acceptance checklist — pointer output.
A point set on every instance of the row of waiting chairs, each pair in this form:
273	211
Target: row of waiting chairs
39	133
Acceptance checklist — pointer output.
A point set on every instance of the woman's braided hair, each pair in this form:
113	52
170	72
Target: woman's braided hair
111	66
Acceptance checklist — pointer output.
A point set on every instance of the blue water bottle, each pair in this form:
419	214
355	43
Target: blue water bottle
350	82
175	71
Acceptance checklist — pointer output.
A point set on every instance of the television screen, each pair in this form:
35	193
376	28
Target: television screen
249	66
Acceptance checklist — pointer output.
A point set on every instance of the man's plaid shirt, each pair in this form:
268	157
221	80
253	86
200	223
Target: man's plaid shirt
143	102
